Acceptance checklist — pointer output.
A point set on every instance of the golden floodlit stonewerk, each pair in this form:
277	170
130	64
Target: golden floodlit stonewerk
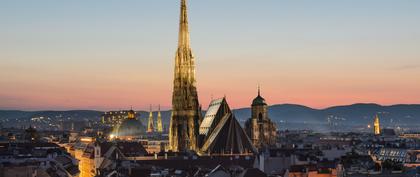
186	111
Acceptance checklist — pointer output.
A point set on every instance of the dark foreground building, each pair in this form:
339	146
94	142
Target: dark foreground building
221	133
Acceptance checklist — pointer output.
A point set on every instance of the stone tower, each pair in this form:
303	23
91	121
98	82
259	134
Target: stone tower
260	128
159	122
376	126
150	126
186	113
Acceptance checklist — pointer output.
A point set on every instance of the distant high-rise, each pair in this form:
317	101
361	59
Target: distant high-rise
376	126
186	113
159	126
150	126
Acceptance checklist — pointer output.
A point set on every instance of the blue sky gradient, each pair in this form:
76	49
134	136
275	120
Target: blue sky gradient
113	54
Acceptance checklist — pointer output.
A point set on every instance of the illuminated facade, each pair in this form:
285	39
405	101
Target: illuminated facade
259	127
114	118
376	126
82	152
159	124
186	112
86	164
150	127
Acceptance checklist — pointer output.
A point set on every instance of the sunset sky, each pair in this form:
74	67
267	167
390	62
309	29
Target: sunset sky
104	55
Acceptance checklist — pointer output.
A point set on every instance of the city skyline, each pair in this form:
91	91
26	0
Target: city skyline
95	60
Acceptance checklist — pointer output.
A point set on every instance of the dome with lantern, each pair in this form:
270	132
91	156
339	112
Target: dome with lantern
129	128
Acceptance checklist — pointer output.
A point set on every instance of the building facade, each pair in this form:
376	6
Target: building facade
114	118
186	112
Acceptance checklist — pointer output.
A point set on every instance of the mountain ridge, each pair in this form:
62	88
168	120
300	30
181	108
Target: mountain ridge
279	104
358	113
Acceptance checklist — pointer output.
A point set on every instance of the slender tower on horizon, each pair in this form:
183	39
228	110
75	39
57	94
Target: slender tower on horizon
150	126
159	122
186	113
376	126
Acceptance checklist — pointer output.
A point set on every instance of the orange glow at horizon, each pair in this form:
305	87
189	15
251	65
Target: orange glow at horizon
117	57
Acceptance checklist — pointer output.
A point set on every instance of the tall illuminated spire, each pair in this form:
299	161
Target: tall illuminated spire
376	126
186	113
159	122
184	34
150	126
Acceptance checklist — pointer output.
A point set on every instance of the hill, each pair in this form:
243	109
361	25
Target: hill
356	114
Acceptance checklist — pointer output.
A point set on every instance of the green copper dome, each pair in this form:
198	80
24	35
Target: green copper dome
130	127
259	100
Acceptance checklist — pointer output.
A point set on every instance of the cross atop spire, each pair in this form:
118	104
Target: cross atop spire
259	90
184	34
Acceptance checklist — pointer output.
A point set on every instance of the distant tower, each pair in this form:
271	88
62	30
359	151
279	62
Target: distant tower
131	114
159	122
72	126
376	126
150	126
260	128
31	135
186	113
61	125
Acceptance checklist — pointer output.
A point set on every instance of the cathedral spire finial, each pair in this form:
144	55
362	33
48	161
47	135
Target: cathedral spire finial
259	90
184	34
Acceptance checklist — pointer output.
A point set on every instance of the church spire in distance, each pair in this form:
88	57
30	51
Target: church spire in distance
376	125
159	121
150	126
